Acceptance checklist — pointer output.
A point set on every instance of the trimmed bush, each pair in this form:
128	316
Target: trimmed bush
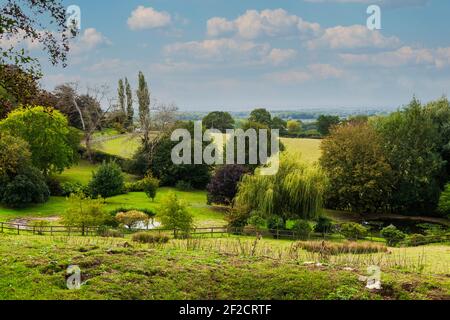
353	231
132	218
147	237
392	235
302	229
107	181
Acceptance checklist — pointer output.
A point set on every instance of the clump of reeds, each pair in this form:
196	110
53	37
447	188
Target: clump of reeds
334	248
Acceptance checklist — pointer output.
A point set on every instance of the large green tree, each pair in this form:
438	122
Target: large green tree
52	143
412	144
261	116
143	95
20	183
360	178
325	123
218	120
130	109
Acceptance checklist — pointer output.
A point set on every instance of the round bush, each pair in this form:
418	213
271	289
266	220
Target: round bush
353	231
302	229
131	218
107	181
24	189
392	235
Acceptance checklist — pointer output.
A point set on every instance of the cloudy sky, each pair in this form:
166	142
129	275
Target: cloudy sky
285	54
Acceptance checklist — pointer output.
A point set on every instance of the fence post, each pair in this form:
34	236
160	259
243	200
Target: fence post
51	231
2	226
18	229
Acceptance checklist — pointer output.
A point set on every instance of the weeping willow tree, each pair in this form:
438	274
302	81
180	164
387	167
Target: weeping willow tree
295	192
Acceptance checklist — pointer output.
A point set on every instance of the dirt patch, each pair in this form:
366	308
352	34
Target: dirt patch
26	221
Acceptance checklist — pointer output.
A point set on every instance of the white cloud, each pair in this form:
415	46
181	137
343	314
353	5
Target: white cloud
280	56
89	40
218	49
353	37
254	24
387	3
148	18
312	72
406	55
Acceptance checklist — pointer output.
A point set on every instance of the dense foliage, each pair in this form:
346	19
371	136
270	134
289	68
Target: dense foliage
150	186
294	192
173	214
218	120
223	186
84	212
325	123
25	188
412	145
360	176
21	184
52	143
107	181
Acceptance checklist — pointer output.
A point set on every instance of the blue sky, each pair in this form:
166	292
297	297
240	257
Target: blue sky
288	54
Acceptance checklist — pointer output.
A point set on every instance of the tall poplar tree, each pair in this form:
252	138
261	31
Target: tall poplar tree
143	95
130	110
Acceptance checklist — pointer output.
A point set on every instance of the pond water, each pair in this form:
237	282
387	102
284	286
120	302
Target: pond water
407	226
147	225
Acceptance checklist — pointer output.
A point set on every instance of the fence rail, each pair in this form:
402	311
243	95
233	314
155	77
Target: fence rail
200	231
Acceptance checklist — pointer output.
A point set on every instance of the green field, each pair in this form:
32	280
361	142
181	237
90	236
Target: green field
125	146
307	149
34	267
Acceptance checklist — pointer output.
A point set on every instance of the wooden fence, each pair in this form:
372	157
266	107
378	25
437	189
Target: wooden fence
201	231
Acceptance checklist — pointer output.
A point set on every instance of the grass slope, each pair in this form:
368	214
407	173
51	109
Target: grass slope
82	173
35	268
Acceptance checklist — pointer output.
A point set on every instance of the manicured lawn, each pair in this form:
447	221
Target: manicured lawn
204	215
82	173
308	148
